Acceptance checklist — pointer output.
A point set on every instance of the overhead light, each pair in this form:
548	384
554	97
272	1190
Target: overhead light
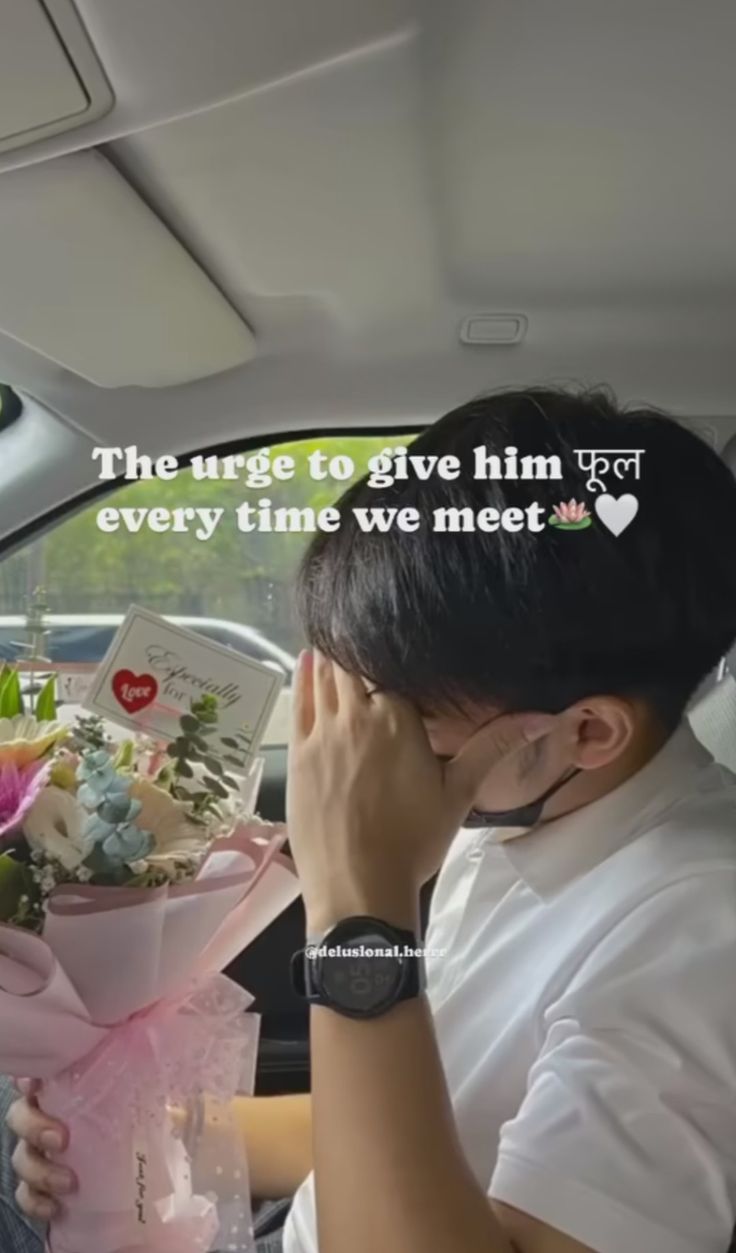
494	328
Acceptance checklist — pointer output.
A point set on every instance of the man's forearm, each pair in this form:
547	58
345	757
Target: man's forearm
390	1172
278	1140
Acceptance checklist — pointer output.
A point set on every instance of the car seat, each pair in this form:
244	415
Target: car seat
712	716
712	713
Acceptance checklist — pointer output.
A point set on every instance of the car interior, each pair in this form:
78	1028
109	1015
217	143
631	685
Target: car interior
242	224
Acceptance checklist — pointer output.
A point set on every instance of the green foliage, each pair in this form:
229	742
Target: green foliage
46	702
191	754
16	882
11	700
125	757
191	748
11	885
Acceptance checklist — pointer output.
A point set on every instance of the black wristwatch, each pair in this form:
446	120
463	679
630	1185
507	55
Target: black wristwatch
361	967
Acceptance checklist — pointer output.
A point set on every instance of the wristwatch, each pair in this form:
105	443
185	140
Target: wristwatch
361	967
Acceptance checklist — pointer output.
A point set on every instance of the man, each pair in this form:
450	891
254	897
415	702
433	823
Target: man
567	1082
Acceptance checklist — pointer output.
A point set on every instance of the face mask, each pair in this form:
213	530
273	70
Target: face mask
525	816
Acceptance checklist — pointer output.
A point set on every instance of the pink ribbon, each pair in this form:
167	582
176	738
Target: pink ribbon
138	1187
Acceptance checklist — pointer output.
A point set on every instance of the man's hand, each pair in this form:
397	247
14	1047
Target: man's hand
371	810
43	1183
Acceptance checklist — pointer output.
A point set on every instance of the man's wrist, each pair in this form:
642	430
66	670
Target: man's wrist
399	909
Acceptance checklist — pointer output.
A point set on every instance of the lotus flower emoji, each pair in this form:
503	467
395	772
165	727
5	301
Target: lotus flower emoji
571	515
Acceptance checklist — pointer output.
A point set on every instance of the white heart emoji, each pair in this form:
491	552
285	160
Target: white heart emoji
616	512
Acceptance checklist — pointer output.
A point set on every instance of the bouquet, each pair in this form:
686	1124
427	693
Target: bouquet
130	876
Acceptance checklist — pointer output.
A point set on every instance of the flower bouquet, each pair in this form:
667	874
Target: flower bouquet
130	876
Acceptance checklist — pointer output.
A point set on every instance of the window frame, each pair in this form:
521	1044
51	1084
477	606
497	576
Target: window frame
26	534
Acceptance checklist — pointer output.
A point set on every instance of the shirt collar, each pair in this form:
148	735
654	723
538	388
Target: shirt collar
561	850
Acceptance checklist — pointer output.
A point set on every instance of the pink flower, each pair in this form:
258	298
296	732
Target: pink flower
156	761
19	787
572	511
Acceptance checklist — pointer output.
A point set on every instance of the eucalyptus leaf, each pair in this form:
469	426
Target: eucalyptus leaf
216	786
213	765
189	724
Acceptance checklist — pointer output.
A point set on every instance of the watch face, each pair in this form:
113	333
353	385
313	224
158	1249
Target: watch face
361	974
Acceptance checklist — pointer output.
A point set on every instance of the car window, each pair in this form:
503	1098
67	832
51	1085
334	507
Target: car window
66	592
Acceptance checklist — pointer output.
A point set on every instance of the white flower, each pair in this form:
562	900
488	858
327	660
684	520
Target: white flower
54	826
47	881
176	838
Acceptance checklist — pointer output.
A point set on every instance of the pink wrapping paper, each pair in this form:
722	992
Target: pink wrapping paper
121	1012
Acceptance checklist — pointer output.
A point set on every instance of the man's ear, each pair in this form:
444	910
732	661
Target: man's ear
601	729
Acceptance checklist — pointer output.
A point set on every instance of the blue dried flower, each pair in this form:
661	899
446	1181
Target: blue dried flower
127	844
93	762
111	829
119	808
96	829
97	775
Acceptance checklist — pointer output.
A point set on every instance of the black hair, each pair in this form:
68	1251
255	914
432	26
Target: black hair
536	621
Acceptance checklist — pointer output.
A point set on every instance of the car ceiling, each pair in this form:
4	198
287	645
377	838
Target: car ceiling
292	207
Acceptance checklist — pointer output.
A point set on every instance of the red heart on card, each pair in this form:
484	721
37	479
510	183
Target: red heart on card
134	691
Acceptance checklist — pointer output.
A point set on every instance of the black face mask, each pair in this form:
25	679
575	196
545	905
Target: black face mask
525	816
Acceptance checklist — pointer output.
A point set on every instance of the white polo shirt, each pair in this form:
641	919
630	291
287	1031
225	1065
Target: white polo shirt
586	1013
